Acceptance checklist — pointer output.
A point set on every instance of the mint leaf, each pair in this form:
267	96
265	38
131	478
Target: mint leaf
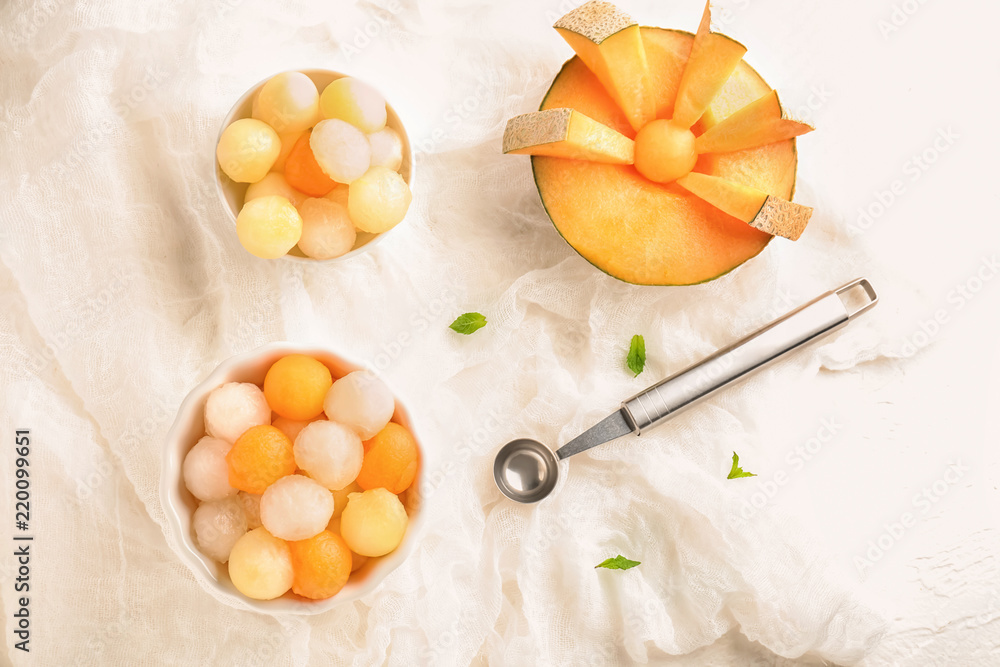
468	323
619	562
737	471
636	359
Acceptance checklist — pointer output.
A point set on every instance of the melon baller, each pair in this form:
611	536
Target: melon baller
525	470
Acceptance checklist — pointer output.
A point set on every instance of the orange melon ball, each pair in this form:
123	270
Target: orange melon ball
296	385
322	565
303	172
357	560
391	460
288	140
259	458
664	151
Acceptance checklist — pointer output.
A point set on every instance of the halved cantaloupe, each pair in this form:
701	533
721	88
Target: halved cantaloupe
680	214
758	123
610	43
713	60
649	233
754	207
568	134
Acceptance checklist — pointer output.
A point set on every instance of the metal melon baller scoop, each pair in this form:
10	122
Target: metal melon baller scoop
525	470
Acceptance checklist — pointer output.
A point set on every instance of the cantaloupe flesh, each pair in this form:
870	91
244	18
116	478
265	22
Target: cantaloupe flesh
756	124
643	232
707	71
739	201
620	63
571	135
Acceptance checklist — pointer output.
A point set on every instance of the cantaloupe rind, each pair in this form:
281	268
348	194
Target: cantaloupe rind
610	43
568	134
595	20
773	215
760	122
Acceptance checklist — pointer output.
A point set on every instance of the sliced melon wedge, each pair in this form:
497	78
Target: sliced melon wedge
758	209
569	134
714	57
609	42
758	123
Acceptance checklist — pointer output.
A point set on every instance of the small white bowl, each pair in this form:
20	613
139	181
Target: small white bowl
179	504
231	194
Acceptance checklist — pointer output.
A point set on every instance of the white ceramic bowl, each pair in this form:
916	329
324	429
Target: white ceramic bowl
179	504
231	193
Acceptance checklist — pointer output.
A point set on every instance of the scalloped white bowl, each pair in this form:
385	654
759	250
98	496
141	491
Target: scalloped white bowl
179	504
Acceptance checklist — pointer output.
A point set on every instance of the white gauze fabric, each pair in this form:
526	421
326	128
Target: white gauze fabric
124	286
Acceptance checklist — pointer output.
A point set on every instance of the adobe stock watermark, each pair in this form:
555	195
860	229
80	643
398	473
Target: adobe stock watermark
480	442
429	313
94	308
957	299
899	16
913	169
136	436
452	119
768	486
365	34
41	13
921	505
96	137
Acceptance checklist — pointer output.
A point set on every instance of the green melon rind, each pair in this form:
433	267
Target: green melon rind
534	175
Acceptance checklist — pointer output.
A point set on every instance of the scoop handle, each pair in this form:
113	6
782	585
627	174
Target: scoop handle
821	316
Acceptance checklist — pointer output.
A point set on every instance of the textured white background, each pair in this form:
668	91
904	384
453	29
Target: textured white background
123	285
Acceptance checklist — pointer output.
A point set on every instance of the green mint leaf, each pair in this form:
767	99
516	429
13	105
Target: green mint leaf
737	471
619	562
468	323
636	359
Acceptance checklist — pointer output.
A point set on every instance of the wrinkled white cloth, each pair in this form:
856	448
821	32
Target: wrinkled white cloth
124	285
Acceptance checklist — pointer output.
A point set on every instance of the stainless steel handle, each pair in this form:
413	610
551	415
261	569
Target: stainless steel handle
817	318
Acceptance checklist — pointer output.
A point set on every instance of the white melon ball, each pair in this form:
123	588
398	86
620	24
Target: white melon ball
275	184
205	471
387	148
296	508
288	102
378	200
260	565
330	453
218	525
341	150
251	507
327	230
233	408
360	401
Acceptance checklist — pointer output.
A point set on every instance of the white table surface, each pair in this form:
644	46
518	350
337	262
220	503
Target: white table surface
880	96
